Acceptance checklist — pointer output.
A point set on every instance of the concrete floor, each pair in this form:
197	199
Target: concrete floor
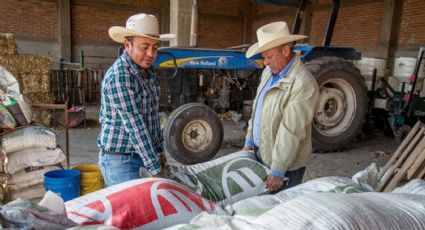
83	149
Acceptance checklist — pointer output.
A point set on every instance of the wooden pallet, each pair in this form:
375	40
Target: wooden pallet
407	162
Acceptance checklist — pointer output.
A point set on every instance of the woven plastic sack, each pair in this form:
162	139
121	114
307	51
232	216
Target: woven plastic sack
260	204
8	82
29	176
226	180
23	214
416	186
148	203
7	121
28	137
362	211
33	157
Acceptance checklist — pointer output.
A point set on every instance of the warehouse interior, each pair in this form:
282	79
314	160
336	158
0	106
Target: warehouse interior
54	54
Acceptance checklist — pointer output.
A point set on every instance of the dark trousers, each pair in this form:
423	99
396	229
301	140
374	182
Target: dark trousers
295	177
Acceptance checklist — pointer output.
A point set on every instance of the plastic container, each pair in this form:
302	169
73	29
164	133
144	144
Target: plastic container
403	69
65	182
367	65
91	178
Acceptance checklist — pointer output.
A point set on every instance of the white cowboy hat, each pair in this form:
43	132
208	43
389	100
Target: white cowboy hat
144	25
270	36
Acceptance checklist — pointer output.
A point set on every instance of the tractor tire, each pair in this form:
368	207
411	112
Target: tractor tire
342	106
193	133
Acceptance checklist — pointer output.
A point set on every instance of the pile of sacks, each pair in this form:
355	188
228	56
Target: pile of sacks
228	193
27	151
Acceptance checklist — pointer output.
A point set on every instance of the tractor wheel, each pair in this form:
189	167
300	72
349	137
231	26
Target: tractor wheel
193	133
342	105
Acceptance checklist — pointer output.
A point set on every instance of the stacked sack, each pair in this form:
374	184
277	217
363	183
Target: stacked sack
225	180
29	153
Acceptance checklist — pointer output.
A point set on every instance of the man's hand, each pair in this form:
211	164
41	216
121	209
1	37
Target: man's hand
163	161
160	174
274	183
247	149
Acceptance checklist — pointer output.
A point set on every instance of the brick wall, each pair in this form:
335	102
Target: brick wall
36	18
411	30
91	22
220	23
357	24
266	13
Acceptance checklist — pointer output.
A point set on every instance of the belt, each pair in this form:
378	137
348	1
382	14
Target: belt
116	153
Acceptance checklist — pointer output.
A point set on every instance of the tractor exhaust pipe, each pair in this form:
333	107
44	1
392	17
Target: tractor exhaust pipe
194	25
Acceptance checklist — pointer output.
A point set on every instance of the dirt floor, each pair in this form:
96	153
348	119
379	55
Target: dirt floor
359	155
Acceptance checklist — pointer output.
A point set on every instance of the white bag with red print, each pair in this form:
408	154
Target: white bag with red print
148	203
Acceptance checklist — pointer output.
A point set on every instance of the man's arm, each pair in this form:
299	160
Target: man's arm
129	106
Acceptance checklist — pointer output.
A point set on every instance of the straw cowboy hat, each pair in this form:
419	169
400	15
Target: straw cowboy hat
270	36
144	25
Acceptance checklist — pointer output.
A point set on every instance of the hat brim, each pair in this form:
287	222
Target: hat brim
256	48
119	33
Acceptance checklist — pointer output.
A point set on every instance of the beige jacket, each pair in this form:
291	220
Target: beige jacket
286	118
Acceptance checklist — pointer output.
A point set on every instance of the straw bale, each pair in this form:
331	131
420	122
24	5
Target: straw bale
7	44
26	64
44	117
34	83
40	98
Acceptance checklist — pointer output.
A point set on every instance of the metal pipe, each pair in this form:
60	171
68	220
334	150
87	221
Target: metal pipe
194	24
331	23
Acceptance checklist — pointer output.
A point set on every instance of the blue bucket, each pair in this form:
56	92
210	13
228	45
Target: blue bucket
65	182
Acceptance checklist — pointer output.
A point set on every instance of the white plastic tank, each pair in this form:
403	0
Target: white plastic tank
366	66
403	69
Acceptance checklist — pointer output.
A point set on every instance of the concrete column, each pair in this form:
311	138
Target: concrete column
247	23
386	28
307	21
164	20
64	36
180	17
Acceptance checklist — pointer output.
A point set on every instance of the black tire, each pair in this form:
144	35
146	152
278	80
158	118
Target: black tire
341	110
193	133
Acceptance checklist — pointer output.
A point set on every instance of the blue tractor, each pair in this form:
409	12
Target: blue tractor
199	83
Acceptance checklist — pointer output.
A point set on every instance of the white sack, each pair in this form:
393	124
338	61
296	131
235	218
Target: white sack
34	157
363	211
29	176
416	186
28	137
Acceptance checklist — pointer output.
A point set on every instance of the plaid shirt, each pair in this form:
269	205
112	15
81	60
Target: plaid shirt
129	113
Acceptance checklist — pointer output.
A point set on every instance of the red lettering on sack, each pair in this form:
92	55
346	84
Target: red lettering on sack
97	205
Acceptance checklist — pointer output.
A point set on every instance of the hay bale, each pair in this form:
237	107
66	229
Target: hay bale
26	64
34	83
7	44
44	117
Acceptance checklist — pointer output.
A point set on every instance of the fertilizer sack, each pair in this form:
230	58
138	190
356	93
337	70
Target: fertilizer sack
28	137
358	211
226	180
30	176
7	121
148	203
33	157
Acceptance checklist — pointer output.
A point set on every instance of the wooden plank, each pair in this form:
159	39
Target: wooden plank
401	148
417	166
401	174
401	157
421	173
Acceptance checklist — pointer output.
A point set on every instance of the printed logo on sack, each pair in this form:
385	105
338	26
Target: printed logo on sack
243	178
152	204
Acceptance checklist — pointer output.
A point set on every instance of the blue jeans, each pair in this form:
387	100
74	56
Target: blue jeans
117	168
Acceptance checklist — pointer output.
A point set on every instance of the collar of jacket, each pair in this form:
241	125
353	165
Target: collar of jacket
134	68
283	83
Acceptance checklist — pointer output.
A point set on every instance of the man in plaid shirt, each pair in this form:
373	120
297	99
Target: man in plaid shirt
130	138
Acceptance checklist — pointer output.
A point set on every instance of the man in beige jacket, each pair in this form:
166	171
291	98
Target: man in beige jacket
279	131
